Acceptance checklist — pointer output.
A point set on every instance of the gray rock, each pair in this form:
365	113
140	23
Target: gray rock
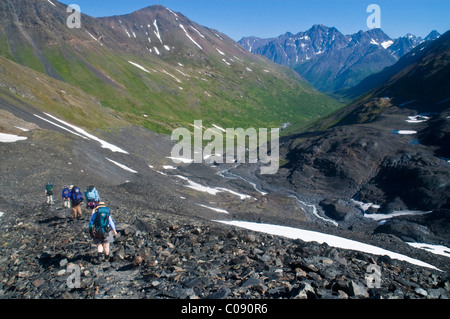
335	209
304	291
357	290
251	282
421	292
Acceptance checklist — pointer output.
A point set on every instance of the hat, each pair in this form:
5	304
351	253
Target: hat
101	204
71	186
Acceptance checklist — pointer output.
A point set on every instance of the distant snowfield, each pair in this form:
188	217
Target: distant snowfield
190	38
417	119
379	217
405	132
179	160
211	190
435	249
387	44
215	209
9	138
82	133
139	66
122	166
334	241
23	129
1	214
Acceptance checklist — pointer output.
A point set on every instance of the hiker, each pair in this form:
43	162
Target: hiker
92	197
49	193
102	229
66	193
76	199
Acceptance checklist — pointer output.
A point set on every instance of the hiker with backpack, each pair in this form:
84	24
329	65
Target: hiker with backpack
102	229
66	193
92	197
76	199
49	193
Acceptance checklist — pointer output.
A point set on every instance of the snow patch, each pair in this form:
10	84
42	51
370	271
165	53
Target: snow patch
60	126
198	32
104	144
176	79
122	166
417	119
190	38
22	129
219	51
9	138
387	44
172	12
379	217
181	160
334	241
139	66
211	190
435	249
364	206
215	209
182	73
157	31
405	132
93	37
219	128
51	3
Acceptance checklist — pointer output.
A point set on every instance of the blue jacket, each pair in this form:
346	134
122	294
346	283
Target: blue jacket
97	196
66	193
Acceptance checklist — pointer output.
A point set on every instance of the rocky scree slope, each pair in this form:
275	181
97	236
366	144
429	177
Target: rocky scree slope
165	249
161	256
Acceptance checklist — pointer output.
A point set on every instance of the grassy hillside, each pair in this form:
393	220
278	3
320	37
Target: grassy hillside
161	83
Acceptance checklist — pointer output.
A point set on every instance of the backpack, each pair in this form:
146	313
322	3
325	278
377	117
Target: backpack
77	196
90	194
100	228
66	193
49	188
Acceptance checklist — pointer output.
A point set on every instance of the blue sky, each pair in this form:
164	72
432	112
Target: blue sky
270	18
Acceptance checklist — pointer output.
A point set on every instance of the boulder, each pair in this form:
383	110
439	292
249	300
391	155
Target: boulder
357	290
335	209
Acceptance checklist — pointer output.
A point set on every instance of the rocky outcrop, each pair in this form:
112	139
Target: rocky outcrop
336	209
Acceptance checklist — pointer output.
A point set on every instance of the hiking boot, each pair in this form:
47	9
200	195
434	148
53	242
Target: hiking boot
97	260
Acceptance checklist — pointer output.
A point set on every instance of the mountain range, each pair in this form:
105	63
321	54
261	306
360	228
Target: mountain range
332	61
94	106
153	67
390	146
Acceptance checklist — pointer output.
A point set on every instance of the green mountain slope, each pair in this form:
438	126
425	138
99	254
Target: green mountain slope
158	69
